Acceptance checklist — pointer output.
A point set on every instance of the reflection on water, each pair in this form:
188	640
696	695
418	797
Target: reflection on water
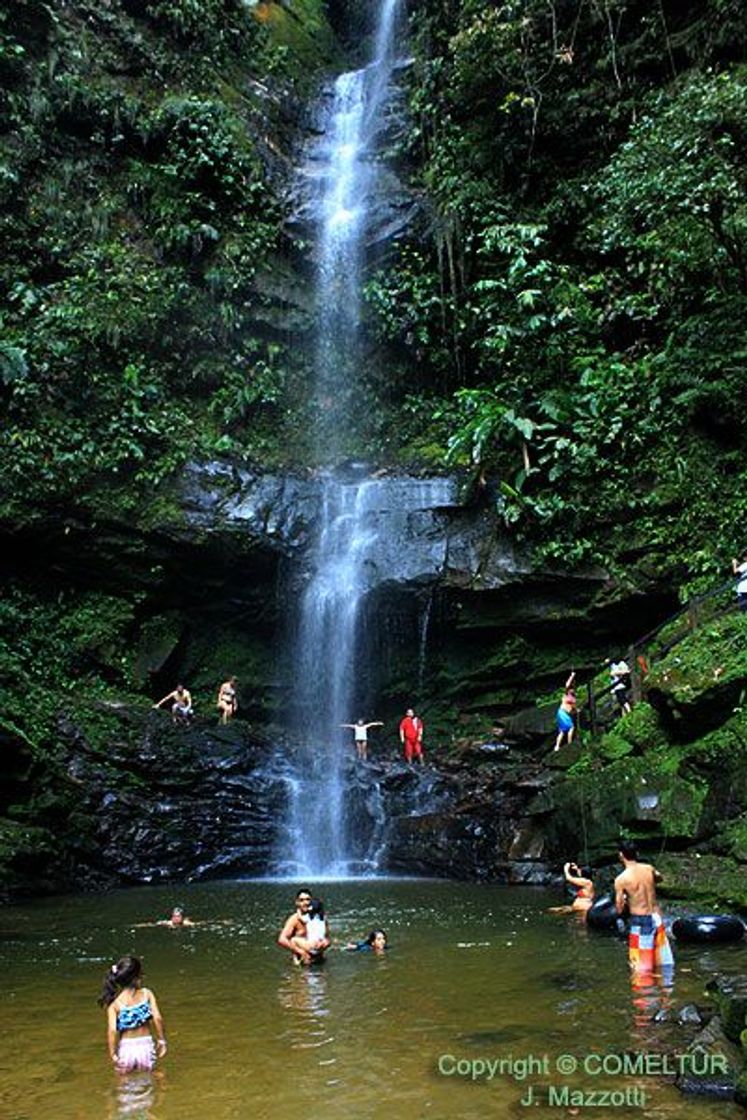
652	994
134	1096
303	993
473	971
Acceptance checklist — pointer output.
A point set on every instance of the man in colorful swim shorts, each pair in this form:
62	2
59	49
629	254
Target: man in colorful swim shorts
635	887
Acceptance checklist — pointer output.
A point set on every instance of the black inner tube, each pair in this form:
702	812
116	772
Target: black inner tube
708	928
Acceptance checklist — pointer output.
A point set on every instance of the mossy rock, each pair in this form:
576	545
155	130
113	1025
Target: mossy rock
730	996
157	640
636	733
643	797
301	27
23	849
713	882
702	677
735	836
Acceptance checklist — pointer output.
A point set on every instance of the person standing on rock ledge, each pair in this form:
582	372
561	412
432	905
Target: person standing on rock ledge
360	730
227	700
411	736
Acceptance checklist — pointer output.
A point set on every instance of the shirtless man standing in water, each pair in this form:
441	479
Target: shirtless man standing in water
293	934
635	887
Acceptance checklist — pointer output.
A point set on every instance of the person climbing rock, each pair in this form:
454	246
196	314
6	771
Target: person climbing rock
411	736
740	571
181	709
565	717
620	684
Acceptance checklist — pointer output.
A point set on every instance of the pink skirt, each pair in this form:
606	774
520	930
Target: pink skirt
136	1053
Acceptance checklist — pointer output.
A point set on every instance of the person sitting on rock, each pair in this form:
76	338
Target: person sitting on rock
181	709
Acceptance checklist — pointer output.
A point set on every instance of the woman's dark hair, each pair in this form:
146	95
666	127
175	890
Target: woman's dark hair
316	908
371	937
120	975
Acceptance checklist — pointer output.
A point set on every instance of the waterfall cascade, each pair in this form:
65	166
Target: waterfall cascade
361	524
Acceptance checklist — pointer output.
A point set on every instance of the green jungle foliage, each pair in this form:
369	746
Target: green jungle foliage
564	322
135	214
576	314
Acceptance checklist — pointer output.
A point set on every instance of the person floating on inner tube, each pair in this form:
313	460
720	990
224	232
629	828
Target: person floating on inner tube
635	888
584	899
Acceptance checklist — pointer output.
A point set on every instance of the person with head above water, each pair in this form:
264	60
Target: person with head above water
360	734
177	919
227	703
315	939
181	709
374	942
584	887
293	935
133	1018
635	890
411	735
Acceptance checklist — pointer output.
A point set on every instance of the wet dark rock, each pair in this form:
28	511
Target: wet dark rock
690	1014
711	1048
170	803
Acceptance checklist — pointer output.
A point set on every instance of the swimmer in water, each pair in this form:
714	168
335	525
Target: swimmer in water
177	919
374	942
134	1021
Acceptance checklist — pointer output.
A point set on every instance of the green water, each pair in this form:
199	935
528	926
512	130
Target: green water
474	972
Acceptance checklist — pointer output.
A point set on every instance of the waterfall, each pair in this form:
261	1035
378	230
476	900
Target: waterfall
361	524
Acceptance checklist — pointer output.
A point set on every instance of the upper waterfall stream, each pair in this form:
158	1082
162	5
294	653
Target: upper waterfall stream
360	524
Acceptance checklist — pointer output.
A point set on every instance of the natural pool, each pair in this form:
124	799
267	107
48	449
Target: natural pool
474	972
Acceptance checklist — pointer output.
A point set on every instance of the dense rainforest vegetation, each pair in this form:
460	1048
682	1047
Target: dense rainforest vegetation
565	313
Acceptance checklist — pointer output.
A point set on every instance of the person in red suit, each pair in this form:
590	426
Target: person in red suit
411	736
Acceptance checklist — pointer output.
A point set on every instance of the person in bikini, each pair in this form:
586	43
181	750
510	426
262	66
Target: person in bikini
227	701
565	717
133	1020
635	889
584	899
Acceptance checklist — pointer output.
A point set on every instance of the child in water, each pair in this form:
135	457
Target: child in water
133	1018
316	939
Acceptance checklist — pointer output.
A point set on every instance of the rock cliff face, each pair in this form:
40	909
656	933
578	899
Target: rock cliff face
166	803
460	621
